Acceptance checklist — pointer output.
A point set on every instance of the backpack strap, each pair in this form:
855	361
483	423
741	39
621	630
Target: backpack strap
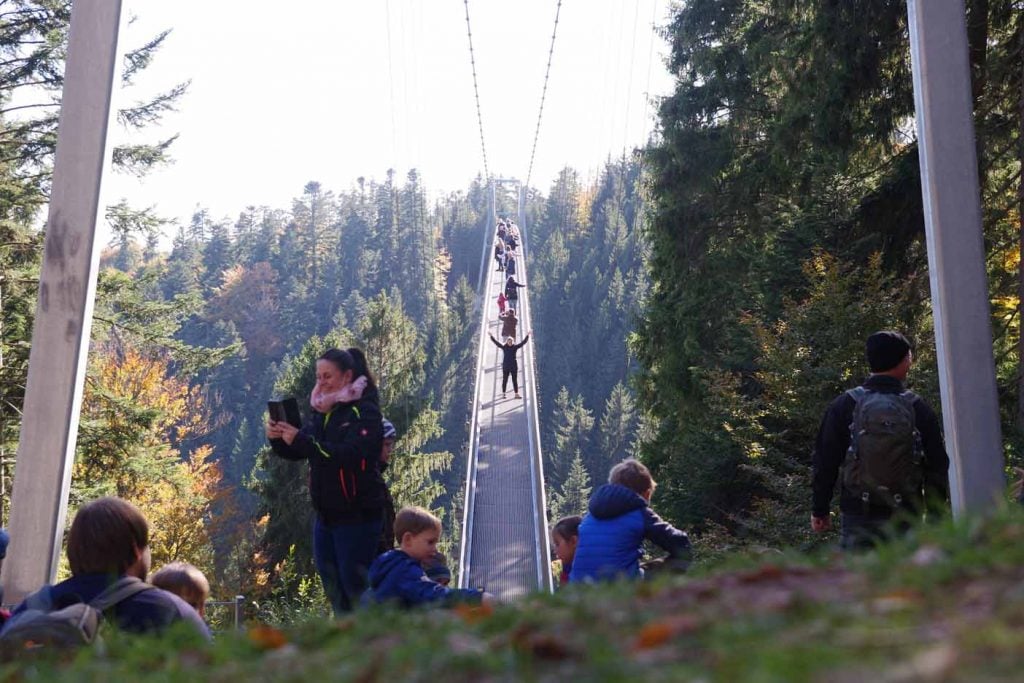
857	393
124	588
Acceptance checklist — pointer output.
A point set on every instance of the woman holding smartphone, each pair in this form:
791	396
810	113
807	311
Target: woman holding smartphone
342	443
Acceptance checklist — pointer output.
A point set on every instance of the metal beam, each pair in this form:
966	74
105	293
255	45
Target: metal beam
956	252
67	284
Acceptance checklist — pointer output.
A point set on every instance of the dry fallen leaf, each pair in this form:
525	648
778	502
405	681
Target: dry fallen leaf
472	614
657	633
267	637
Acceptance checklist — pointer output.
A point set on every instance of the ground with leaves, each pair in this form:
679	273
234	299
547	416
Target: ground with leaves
945	605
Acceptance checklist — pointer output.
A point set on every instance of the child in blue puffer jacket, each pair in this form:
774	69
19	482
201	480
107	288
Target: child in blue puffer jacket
611	535
397	576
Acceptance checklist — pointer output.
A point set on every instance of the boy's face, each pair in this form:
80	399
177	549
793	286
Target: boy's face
565	548
421	546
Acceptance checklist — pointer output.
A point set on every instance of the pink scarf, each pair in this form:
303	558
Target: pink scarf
323	403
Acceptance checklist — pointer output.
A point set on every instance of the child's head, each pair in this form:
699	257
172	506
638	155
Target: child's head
185	581
417	532
632	474
436	568
565	536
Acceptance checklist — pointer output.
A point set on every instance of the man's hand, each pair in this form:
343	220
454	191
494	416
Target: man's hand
820	524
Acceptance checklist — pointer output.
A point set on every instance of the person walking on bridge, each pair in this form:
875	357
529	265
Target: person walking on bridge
512	291
509	324
509	364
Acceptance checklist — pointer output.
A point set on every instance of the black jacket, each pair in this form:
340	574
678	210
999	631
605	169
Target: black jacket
834	440
343	449
512	288
508	362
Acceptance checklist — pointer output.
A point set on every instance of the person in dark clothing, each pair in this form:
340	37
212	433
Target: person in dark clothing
398	576
618	520
509	324
387	539
109	543
510	264
866	521
509	364
342	442
499	253
512	291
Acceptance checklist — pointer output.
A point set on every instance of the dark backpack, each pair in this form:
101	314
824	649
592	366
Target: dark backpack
42	626
883	464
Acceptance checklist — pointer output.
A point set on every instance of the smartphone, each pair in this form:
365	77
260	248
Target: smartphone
285	410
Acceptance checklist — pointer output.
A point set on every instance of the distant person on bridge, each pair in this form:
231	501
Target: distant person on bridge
618	520
501	303
510	264
499	253
888	443
512	291
509	324
342	441
509	364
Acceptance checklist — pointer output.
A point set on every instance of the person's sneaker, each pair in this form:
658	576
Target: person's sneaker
518	396
503	394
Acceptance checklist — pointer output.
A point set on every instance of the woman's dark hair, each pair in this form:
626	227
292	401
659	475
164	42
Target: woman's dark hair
568	527
106	537
351	359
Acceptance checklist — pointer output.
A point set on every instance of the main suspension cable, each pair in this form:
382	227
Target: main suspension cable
543	94
476	92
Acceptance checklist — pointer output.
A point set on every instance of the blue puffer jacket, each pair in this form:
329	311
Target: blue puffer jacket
397	578
612	535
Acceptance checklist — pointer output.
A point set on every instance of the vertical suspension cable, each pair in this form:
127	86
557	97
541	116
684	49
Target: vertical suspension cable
476	92
391	86
543	94
629	82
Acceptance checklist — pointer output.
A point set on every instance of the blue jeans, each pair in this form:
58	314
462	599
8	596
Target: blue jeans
343	554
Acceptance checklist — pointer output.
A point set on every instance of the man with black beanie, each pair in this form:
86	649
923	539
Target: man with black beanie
864	518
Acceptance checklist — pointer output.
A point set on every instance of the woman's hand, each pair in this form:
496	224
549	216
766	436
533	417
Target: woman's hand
288	432
272	429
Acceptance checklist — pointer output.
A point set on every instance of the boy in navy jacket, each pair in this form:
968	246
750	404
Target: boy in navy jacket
397	576
611	535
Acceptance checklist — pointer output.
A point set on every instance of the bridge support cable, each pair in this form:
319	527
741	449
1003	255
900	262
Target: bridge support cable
476	92
505	543
543	95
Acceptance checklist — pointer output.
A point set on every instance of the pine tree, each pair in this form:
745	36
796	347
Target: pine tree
616	429
573	496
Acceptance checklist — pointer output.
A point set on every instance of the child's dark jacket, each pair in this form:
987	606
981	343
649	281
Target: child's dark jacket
613	532
397	578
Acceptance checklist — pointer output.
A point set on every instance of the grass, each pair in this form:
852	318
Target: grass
945	604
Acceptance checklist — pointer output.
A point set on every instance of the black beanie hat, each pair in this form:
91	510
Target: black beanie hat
886	349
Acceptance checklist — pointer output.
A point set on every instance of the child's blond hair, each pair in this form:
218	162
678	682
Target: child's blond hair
185	581
415	520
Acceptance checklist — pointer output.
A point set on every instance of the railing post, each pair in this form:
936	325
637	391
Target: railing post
956	251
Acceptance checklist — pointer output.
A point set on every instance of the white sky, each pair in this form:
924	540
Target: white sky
284	93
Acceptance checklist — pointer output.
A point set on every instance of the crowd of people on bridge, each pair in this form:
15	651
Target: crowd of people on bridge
506	246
